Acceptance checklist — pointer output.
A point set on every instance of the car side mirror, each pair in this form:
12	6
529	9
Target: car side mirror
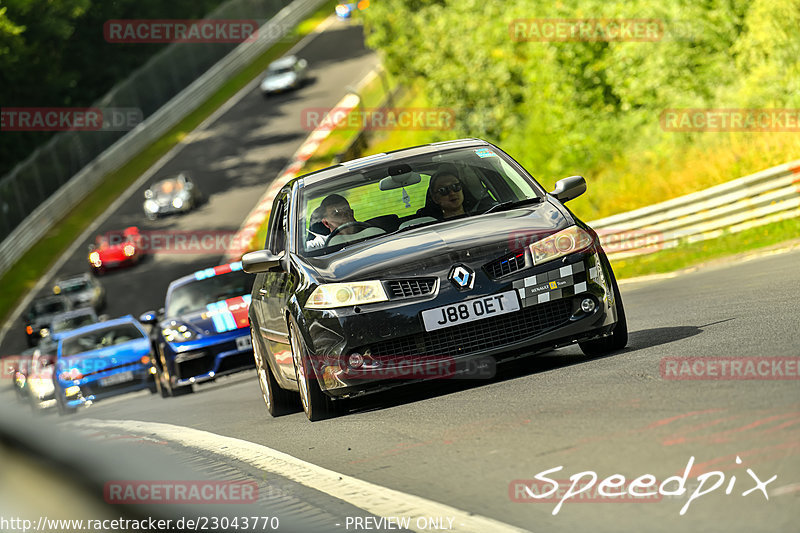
569	188
148	317
261	261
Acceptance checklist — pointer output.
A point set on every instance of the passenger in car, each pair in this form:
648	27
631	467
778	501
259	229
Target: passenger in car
447	196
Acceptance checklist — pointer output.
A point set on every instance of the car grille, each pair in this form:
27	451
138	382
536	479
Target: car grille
479	335
409	288
191	364
505	265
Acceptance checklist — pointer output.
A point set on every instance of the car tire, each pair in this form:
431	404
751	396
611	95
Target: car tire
63	410
316	404
279	401
618	338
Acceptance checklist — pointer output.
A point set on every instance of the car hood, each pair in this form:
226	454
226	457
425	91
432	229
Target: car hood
107	357
472	240
219	317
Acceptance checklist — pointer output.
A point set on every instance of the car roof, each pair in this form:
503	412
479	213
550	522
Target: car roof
376	160
75	312
206	273
72	277
287	61
127	319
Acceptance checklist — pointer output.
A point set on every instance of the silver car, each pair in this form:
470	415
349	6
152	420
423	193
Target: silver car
284	74
173	194
83	290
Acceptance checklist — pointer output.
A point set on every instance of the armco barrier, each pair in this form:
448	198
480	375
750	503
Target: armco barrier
761	198
45	216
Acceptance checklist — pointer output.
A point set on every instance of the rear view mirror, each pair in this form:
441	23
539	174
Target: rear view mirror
569	188
261	261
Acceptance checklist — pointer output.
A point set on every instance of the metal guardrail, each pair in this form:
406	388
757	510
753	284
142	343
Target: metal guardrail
48	213
761	198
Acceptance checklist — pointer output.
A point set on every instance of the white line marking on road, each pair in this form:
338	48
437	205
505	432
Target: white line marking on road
786	489
375	499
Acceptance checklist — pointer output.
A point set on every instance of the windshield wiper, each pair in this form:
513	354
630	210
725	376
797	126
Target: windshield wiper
513	203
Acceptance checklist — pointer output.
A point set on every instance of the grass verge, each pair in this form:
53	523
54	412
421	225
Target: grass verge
22	277
687	255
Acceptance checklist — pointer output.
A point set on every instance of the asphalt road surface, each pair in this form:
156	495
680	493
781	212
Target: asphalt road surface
456	449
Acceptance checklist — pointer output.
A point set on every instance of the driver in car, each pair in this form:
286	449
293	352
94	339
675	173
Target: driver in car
334	211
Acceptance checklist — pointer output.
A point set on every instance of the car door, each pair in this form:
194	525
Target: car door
272	293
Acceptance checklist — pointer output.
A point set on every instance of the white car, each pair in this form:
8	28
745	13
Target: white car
284	74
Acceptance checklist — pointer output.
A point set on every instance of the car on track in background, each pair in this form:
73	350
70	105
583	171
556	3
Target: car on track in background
396	285
102	360
82	290
345	10
32	378
172	194
39	315
203	331
116	250
284	74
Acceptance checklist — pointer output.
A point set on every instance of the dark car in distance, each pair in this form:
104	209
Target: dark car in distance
40	314
82	290
443	259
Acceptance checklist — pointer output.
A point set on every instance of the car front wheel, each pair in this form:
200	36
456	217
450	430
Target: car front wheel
316	404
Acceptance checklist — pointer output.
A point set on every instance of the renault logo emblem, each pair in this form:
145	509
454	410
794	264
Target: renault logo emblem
462	277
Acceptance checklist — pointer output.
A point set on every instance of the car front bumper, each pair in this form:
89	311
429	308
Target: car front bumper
395	348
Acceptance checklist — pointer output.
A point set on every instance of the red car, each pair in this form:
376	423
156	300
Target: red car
115	250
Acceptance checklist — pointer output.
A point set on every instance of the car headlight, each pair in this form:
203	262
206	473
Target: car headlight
332	295
44	332
178	333
72	391
94	258
565	242
177	203
129	250
151	206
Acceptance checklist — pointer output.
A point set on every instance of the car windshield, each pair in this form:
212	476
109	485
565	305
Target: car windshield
49	307
277	71
403	194
100	338
196	295
72	286
73	322
168	186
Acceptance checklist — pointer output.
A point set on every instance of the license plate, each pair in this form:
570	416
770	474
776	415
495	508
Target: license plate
116	379
471	310
243	343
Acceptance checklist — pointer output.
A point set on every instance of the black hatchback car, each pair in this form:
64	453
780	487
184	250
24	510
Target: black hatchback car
429	262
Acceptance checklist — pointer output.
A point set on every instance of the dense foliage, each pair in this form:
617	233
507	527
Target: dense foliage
53	53
568	107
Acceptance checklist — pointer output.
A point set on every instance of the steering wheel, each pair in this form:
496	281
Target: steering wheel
346	225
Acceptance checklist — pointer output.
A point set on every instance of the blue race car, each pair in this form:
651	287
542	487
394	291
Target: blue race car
203	331
101	360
